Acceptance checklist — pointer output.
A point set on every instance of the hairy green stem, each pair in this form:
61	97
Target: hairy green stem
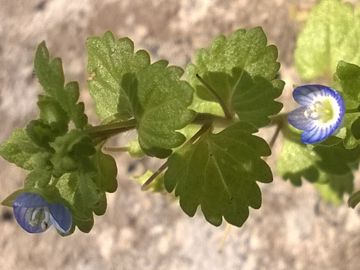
112	129
103	132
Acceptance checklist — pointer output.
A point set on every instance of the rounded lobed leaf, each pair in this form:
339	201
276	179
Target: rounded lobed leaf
331	34
219	173
159	101
109	59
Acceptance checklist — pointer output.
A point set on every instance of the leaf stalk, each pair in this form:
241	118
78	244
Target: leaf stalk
227	113
164	166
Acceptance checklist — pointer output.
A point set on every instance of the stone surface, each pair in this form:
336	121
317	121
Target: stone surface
292	230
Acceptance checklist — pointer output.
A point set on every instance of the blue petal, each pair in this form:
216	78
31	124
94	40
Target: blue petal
317	134
24	205
60	217
312	136
339	100
29	200
297	119
305	94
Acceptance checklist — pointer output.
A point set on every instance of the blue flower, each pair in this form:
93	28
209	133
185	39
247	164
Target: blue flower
320	114
35	215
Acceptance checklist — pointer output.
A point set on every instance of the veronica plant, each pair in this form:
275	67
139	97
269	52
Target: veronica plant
201	121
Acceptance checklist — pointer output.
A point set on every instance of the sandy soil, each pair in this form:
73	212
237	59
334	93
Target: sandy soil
292	230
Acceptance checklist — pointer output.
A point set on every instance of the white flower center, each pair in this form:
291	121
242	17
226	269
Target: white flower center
39	217
322	110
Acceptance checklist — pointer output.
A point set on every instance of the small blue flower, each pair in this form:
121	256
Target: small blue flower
35	215
320	114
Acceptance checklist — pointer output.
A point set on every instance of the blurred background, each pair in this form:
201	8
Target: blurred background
294	229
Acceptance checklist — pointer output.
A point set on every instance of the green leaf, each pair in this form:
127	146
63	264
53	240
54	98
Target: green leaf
51	77
245	49
355	128
83	196
296	161
219	172
38	178
109	60
22	151
251	98
52	114
347	77
101	205
329	165
123	83
327	194
234	66
331	34
334	190
71	152
40	133
134	149
107	172
336	159
84	188
9	200
159	100
75	110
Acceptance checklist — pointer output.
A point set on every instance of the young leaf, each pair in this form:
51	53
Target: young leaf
72	151
347	77
159	101
51	77
84	189
252	98
108	61
41	133
219	172
22	151
331	34
52	114
38	178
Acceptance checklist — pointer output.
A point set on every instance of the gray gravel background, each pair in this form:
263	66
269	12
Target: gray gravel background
292	230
